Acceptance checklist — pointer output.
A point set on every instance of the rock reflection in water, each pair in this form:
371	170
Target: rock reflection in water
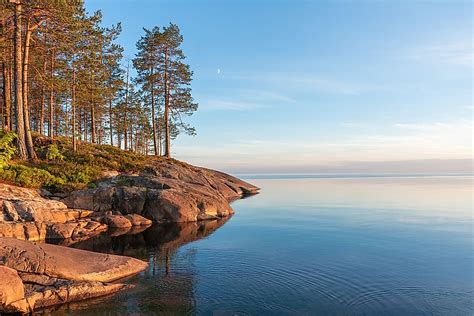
166	286
160	237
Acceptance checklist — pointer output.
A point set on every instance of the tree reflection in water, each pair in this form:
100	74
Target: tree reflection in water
168	283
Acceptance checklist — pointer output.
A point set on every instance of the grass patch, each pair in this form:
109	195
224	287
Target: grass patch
60	169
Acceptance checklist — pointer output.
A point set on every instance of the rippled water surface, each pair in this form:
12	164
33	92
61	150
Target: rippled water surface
313	246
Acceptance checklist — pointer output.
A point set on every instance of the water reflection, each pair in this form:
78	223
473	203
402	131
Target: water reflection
167	286
161	238
378	246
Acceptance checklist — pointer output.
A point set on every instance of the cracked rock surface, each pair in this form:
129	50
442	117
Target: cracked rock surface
25	215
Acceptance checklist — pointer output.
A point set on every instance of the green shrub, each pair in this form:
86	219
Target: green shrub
7	149
53	153
29	177
92	185
72	172
61	169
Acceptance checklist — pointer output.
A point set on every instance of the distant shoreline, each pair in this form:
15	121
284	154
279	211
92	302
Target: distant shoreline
345	175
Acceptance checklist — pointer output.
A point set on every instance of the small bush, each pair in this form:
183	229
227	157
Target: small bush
29	177
53	153
92	185
72	172
7	149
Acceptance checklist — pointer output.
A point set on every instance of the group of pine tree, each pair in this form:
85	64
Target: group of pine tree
63	74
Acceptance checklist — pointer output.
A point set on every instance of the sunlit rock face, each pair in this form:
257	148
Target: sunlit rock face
166	191
26	215
38	275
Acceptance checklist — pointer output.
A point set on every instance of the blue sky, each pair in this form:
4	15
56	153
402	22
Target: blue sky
320	86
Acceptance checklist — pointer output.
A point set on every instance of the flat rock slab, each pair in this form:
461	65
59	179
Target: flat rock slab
26	292
66	263
68	291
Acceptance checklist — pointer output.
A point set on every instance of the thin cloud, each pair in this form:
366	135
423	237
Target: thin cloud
454	53
226	105
404	142
353	125
301	82
245	100
423	126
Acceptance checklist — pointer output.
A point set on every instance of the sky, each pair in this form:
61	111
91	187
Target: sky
320	86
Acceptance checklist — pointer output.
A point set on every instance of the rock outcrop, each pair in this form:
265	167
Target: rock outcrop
26	215
12	292
38	275
166	191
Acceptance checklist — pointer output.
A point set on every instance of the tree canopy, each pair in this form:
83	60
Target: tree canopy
64	74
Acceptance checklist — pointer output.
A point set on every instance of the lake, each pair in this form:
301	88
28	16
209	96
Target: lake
308	245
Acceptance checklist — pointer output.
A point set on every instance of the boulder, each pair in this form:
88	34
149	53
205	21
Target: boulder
116	221
12	292
74	230
138	220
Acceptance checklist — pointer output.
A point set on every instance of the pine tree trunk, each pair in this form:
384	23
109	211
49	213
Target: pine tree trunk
119	138
7	101
125	136
20	119
110	124
12	95
131	137
167	109
29	140
79	128
6	81
73	106
160	141
51	99
93	131
43	101
153	118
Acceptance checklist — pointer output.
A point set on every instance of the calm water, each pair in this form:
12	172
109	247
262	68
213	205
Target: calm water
313	246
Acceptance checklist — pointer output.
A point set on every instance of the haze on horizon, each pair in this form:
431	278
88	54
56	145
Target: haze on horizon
327	86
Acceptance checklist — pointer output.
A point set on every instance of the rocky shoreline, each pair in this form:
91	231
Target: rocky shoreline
38	275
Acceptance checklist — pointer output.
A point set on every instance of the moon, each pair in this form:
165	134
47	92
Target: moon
218	70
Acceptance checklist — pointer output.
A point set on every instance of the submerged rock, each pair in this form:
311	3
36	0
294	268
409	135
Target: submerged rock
38	275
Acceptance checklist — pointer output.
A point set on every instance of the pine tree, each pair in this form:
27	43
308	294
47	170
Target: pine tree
163	73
